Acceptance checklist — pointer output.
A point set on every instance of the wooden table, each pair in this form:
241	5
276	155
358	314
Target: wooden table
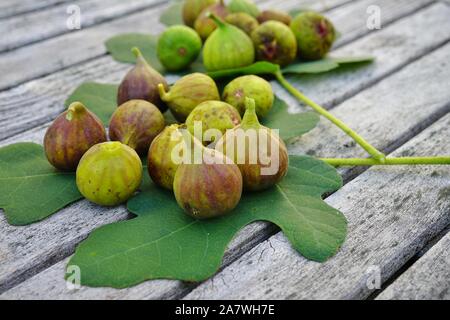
398	216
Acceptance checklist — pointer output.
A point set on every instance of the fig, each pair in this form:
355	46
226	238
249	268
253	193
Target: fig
109	173
192	8
160	164
215	115
204	25
246	6
315	35
250	86
136	123
274	15
141	82
71	134
178	47
275	42
243	21
187	93
208	188
227	47
259	153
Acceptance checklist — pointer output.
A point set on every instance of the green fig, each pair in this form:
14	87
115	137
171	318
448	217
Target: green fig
250	86
246	6
275	15
160	164
187	93
136	123
178	47
71	134
215	118
210	187
204	25
315	35
109	173
275	42
141	82
243	21
192	8
259	153
227	47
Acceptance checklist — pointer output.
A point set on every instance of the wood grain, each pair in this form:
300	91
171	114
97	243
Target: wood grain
423	70
10	8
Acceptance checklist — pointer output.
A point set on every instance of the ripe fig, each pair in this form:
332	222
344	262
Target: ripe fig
210	187
136	123
275	42
160	164
216	115
243	21
259	153
141	82
178	47
204	25
274	15
227	47
192	8
315	35
109	173
247	6
253	87
187	93
71	134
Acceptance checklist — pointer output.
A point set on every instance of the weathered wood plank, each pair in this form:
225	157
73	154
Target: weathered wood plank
417	74
36	26
428	278
88	43
10	8
38	101
392	213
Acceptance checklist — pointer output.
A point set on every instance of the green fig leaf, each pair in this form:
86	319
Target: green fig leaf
163	242
24	170
350	60
261	67
120	48
173	14
291	125
325	65
99	98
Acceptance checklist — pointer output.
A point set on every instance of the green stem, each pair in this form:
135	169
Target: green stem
440	160
375	153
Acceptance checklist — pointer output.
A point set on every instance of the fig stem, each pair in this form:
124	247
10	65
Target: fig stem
377	155
250	118
217	20
438	160
74	108
162	91
137	53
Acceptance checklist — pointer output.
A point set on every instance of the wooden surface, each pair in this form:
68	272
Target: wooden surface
397	215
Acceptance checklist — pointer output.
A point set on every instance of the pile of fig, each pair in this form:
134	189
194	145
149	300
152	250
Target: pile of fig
217	149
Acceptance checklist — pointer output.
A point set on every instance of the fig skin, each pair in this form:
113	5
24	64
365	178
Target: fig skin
243	21
192	8
136	123
213	115
204	25
253	177
246	6
141	83
160	165
227	47
275	42
71	134
187	93
275	15
250	86
109	173
208	189
178	47
315	35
